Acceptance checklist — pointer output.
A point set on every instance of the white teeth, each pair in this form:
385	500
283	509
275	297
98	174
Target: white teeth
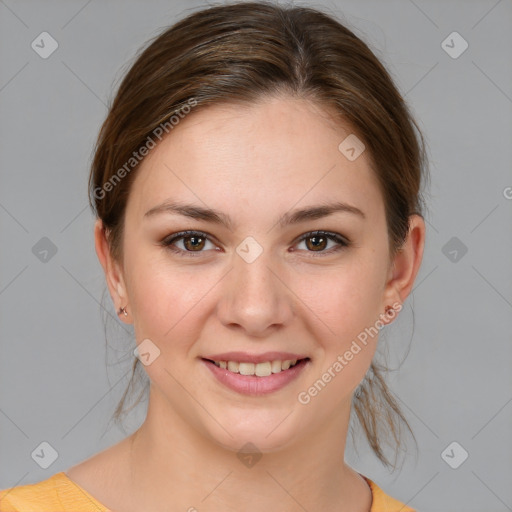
233	366
276	366
263	369
246	368
259	369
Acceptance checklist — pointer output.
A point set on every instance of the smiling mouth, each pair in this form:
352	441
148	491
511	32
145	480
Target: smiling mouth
263	369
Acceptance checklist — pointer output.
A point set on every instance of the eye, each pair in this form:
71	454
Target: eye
193	241
319	240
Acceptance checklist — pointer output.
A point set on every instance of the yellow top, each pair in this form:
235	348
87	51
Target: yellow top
60	494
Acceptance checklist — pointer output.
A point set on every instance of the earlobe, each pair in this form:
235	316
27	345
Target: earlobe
113	273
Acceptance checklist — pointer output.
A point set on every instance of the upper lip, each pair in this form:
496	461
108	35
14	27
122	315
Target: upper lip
245	357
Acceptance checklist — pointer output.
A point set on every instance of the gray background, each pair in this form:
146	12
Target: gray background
455	384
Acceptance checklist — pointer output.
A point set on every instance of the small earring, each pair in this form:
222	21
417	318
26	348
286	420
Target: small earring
388	309
122	310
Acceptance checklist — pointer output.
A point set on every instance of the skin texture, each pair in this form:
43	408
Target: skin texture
254	164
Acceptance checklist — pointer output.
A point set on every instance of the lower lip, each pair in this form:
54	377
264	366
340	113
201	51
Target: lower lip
253	385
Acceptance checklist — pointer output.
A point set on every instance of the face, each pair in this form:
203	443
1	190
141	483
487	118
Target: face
255	279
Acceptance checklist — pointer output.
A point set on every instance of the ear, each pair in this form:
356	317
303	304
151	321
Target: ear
113	270
405	266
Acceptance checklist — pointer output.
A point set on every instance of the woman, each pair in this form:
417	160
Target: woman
257	188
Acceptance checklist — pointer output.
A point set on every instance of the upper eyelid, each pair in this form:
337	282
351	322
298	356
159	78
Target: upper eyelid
184	234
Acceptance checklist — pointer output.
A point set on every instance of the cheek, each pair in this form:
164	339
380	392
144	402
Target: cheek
346	329
168	301
156	294
343	301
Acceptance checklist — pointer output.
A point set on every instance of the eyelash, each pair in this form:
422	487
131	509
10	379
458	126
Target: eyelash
169	241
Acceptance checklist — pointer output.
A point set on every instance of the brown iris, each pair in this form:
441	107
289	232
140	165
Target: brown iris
198	245
316	244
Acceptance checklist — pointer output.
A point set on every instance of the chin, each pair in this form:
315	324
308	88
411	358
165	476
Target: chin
267	433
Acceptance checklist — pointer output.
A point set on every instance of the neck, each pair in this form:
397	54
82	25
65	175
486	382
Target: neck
173	463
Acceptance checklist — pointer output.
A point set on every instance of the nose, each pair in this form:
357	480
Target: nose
255	297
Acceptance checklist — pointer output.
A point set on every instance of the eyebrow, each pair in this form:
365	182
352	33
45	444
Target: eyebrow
217	217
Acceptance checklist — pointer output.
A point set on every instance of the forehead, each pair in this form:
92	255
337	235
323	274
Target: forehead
273	154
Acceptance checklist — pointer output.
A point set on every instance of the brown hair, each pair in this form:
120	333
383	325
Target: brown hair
243	52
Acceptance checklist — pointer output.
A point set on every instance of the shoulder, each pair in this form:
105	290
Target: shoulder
56	493
384	503
37	496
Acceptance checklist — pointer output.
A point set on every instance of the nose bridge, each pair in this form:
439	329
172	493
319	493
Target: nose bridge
256	298
255	277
